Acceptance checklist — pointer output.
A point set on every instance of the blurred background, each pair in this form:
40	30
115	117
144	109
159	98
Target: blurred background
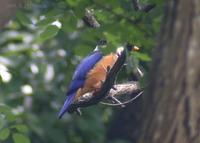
40	47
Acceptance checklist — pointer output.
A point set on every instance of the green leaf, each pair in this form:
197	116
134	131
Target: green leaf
6	110
20	128
45	22
4	134
69	23
118	10
73	3
22	17
1	121
142	56
48	33
102	16
20	138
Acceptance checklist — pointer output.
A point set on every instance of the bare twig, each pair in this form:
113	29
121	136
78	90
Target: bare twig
124	103
90	20
136	5
119	90
126	88
148	7
139	7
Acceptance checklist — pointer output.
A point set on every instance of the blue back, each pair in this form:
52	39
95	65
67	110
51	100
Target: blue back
79	78
82	70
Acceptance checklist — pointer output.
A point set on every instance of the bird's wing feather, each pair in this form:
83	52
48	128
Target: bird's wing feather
83	69
66	104
79	78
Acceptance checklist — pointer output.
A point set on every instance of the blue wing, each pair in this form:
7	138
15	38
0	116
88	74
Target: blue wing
82	70
79	77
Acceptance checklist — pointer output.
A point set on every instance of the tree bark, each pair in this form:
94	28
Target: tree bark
173	115
172	109
8	9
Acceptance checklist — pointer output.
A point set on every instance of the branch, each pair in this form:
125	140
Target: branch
118	90
126	88
105	89
148	7
144	8
90	20
136	5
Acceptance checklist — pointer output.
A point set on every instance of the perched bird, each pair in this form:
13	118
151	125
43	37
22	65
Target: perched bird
97	75
88	76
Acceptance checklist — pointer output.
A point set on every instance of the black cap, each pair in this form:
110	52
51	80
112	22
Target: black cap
102	42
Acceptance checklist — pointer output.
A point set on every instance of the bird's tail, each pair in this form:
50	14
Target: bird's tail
67	103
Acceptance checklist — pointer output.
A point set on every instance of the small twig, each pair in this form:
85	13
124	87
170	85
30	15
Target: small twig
124	103
125	88
148	7
144	8
119	90
90	20
136	5
141	74
117	101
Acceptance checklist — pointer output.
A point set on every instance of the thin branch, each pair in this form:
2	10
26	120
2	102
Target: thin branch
136	5
119	90
148	7
126	88
90	20
144	8
124	103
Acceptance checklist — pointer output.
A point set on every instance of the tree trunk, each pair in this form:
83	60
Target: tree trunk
173	115
8	9
172	103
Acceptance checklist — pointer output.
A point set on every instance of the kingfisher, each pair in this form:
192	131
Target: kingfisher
89	75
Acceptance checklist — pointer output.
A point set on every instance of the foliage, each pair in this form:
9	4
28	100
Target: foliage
39	50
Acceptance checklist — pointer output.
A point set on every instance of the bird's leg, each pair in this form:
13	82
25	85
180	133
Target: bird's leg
114	88
78	112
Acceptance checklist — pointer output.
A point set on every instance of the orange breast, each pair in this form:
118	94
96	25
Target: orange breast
97	75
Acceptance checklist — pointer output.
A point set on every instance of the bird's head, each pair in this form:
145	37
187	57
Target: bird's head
101	44
131	47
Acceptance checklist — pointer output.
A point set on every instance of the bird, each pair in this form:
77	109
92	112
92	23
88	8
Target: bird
97	75
88	76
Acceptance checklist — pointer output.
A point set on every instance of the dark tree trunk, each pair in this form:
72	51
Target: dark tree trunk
172	103
173	115
126	124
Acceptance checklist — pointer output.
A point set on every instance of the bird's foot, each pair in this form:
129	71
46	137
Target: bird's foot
78	112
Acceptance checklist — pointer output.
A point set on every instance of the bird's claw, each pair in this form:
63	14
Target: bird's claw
114	88
78	111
